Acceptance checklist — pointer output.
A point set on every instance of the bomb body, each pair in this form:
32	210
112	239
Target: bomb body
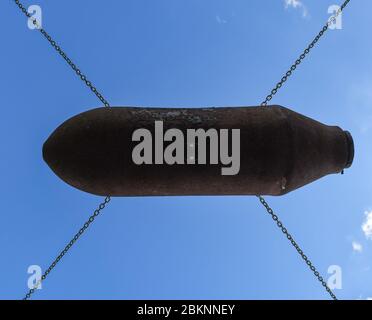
280	150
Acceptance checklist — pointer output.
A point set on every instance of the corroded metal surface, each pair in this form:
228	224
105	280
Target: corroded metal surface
280	150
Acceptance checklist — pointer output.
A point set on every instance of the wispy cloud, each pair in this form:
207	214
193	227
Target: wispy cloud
220	20
367	225
296	4
357	246
293	3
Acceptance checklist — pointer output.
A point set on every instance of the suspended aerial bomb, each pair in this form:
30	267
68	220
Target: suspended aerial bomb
125	151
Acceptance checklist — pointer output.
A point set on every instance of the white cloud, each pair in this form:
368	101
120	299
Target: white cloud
220	20
367	225
296	4
357	246
293	3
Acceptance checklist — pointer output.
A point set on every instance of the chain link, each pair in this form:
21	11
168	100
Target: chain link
54	44
264	104
69	245
296	246
303	55
90	85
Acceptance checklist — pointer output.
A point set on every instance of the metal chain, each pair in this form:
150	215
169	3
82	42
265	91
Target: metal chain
296	246
304	54
63	55
264	104
107	199
69	245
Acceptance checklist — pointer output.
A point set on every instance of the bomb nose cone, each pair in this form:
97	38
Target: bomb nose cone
55	154
77	153
59	151
46	151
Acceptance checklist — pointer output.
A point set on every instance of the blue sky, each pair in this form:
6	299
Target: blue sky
184	53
